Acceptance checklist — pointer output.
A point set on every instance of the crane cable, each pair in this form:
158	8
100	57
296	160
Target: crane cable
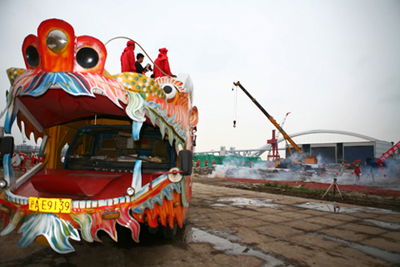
234	88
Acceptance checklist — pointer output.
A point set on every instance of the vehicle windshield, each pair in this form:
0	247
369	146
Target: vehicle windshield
112	148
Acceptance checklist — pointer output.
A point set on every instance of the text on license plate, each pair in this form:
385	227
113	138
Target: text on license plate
53	205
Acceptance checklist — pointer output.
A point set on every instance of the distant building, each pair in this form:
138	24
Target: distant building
347	151
27	149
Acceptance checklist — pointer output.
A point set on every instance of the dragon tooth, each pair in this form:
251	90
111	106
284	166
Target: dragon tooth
152	117
171	136
135	110
162	128
137	176
11	115
136	127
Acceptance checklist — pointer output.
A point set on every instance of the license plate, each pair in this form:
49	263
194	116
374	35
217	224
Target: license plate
52	205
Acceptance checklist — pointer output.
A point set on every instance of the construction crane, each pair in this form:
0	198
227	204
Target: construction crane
303	159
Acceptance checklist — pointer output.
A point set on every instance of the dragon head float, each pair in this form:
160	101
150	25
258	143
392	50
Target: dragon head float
65	87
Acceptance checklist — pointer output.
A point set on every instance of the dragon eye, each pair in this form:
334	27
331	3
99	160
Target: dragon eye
169	90
32	56
87	57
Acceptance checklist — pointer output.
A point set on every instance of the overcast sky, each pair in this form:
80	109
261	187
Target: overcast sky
332	64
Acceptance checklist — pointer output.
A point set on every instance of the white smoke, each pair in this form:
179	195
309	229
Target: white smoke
343	176
221	171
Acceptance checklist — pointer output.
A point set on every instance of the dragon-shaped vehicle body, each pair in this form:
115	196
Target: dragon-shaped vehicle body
130	140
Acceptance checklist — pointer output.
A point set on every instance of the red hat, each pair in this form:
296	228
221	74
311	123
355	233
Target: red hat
130	42
161	50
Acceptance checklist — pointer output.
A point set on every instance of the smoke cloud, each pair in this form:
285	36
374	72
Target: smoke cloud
374	178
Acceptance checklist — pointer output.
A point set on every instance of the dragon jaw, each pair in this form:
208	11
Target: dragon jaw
146	101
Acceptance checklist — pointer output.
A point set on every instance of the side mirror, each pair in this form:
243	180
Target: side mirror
185	162
7	145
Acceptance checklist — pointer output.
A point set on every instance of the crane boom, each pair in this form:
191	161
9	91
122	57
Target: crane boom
388	153
271	119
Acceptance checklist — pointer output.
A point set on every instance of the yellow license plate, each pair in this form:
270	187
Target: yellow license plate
53	205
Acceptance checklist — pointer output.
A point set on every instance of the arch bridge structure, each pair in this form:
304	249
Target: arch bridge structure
368	147
265	148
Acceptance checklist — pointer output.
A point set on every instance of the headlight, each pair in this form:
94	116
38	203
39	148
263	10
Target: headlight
3	184
174	177
130	191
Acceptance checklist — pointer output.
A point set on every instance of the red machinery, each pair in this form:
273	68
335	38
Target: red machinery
274	148
388	154
273	153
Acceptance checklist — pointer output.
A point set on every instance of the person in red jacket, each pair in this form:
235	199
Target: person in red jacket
357	172
25	159
163	64
32	160
128	58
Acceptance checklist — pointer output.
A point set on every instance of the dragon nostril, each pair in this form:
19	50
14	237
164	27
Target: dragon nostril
56	41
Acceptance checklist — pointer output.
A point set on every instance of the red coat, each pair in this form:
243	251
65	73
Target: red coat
162	63
357	171
128	58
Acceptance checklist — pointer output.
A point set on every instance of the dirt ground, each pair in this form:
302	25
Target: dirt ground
239	223
235	227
